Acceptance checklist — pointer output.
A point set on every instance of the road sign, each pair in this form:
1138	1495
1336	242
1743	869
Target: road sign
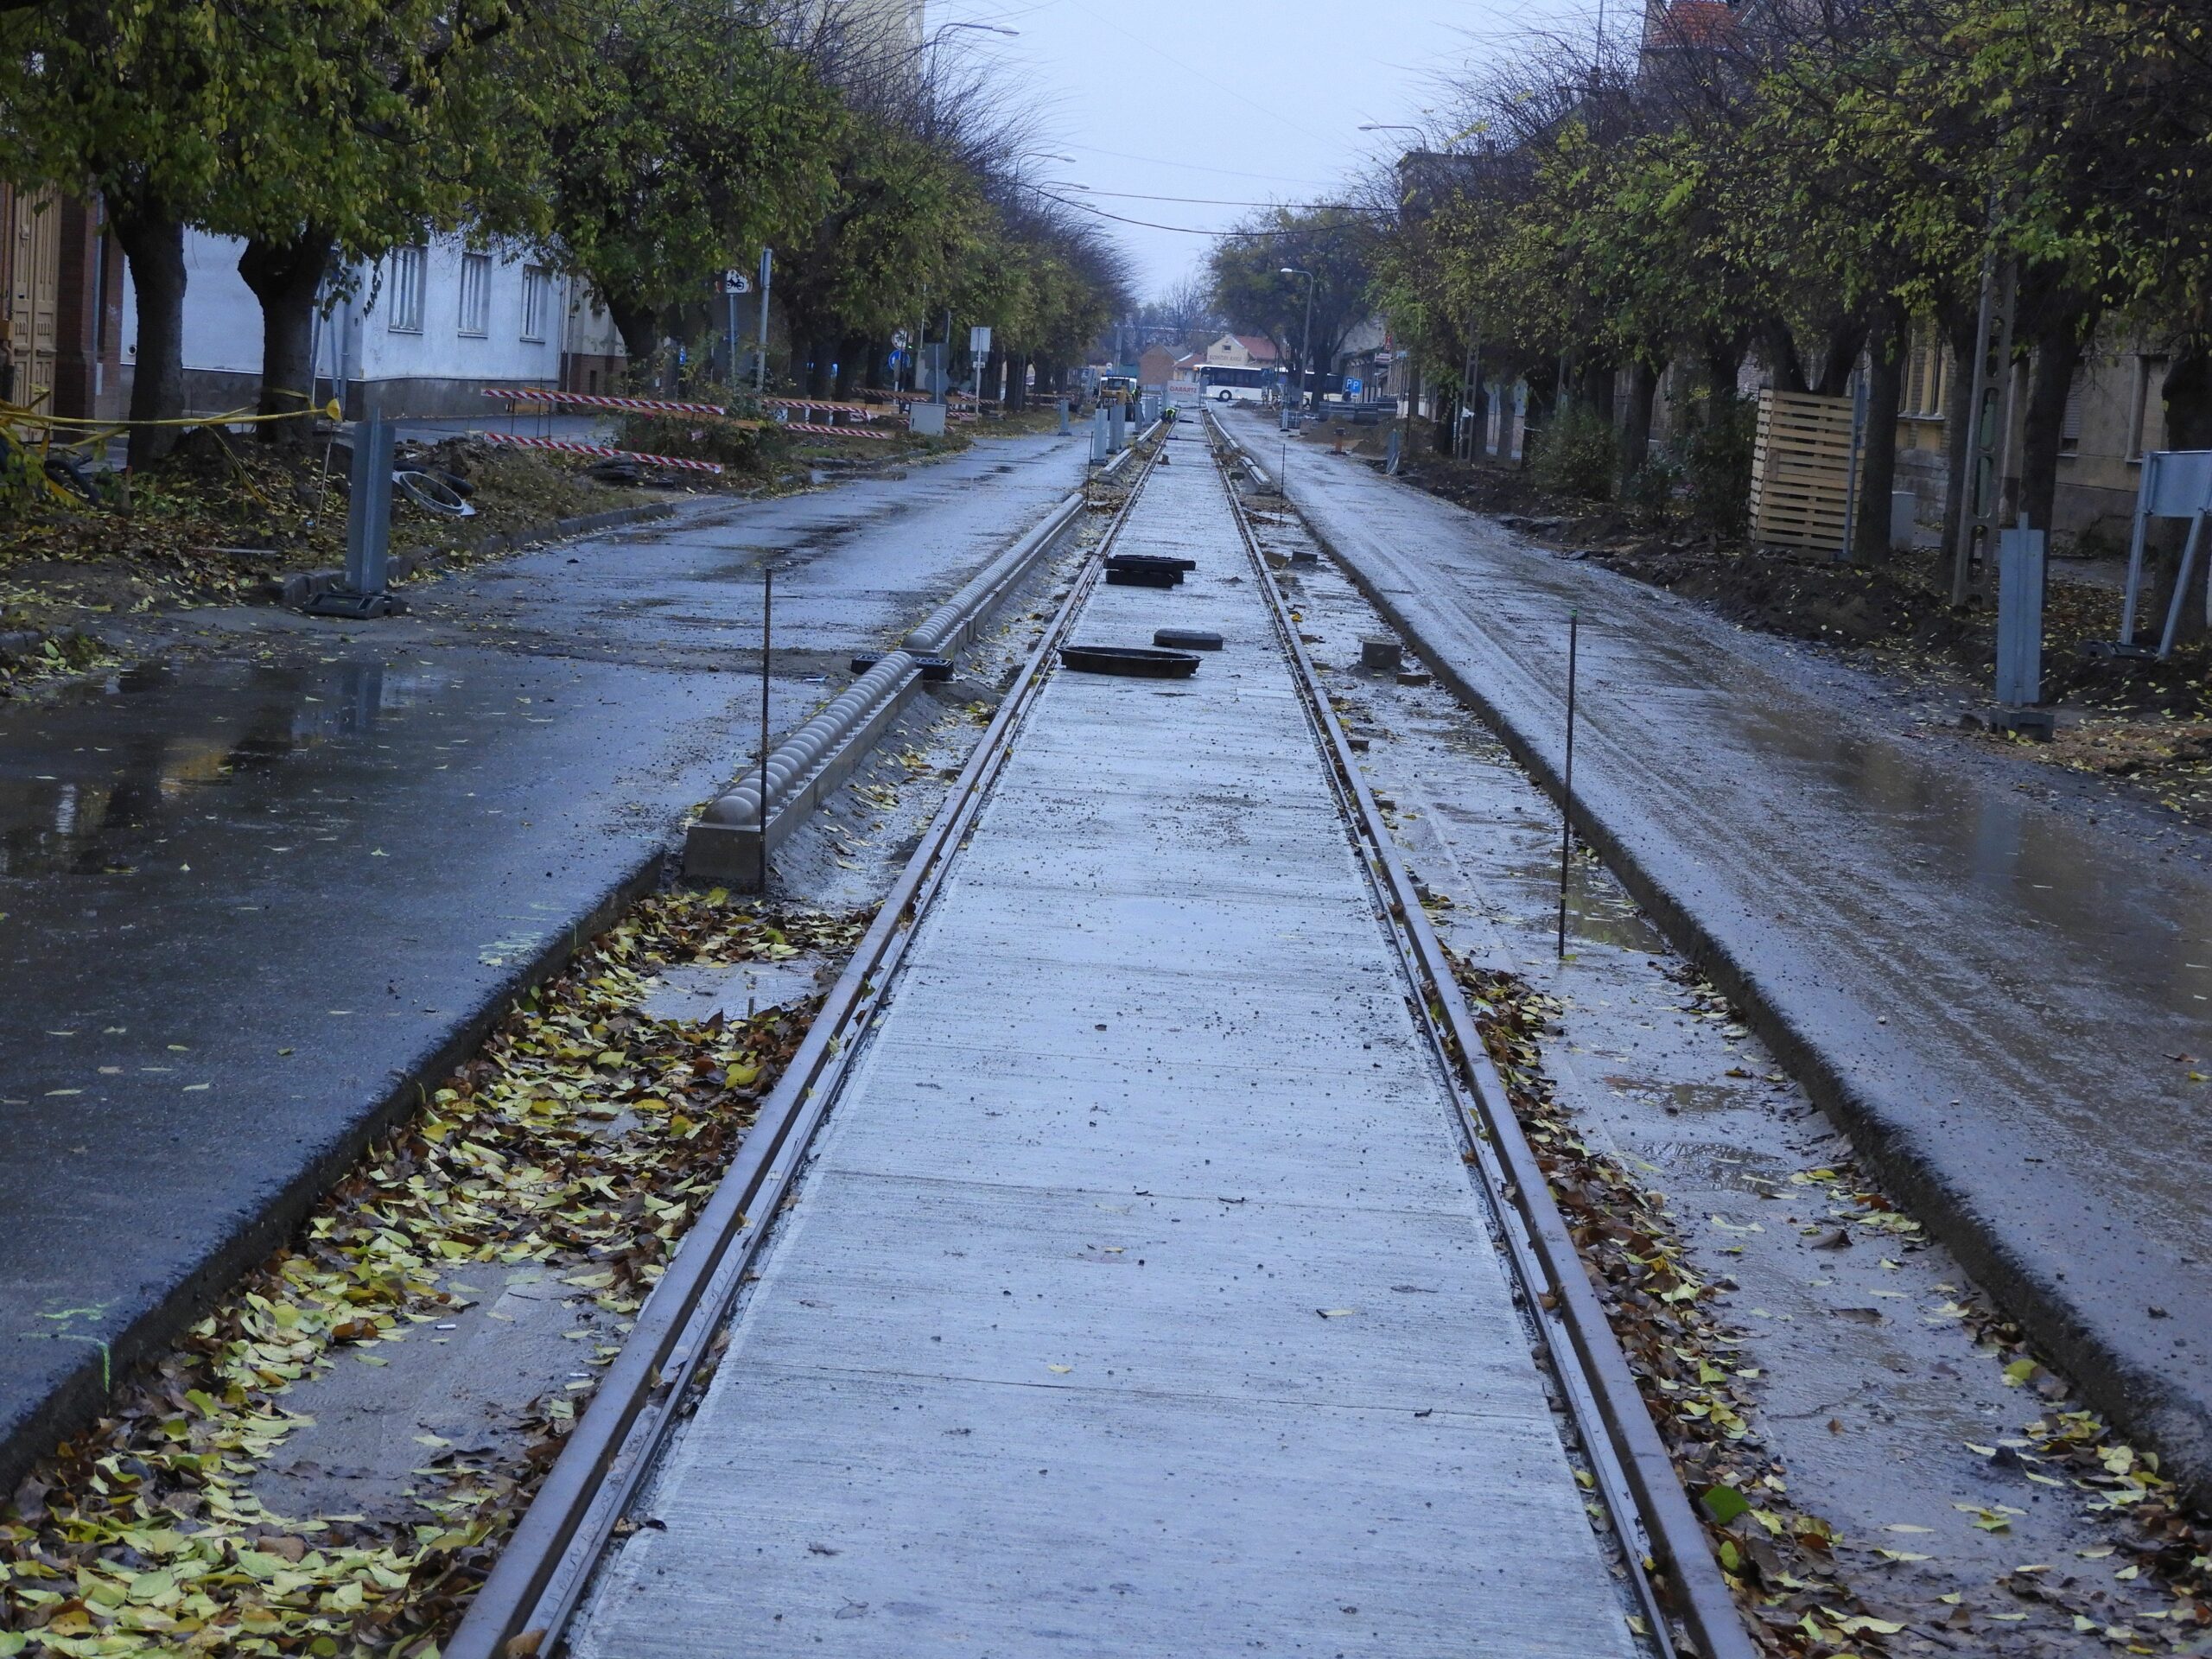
979	342
898	340
736	282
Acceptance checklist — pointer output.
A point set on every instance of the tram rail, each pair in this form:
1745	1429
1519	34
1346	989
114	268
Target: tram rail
526	1604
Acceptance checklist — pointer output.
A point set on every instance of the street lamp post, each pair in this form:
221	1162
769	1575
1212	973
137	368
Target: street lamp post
1306	345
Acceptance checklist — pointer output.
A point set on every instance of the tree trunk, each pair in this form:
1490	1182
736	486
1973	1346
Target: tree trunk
2187	395
1017	381
1594	384
2050	378
1635	429
852	357
1838	361
1723	359
1877	476
637	325
1959	327
285	276
153	244
821	366
1778	347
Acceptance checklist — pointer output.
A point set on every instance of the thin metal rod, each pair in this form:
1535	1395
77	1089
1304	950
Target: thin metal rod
1566	782
767	616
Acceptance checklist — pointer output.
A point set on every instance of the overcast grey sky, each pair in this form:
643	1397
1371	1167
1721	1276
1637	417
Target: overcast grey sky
1230	101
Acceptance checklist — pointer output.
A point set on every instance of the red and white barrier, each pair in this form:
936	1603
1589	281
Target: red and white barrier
567	448
663	406
594	400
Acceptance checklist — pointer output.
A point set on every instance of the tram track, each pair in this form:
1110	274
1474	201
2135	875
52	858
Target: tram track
1668	1551
586	1502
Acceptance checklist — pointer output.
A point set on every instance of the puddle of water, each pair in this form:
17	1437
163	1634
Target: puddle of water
1676	1098
114	764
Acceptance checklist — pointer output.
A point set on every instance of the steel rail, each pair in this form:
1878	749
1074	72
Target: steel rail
1644	1495
526	1604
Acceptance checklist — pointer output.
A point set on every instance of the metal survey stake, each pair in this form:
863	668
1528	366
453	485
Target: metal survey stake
767	616
1567	783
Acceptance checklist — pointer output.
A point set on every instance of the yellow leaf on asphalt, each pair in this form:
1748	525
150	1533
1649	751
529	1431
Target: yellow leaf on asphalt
1056	1370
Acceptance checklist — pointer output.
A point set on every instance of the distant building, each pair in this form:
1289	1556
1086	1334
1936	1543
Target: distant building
1241	352
1156	366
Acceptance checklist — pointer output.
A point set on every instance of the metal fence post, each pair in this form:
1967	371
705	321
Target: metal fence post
368	529
2020	615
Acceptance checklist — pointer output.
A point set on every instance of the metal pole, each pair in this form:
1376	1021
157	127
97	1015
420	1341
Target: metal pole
1851	479
1567	783
730	377
767	615
767	276
1306	345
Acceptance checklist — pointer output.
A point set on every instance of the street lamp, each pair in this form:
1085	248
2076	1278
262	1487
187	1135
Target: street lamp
1306	345
987	28
1388	126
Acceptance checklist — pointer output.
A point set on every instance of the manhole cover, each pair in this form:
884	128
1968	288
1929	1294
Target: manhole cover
1141	661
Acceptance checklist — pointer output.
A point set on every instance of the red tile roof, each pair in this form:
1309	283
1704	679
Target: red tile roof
1261	348
1694	23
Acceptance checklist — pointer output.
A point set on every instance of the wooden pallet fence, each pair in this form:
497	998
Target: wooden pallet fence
1801	472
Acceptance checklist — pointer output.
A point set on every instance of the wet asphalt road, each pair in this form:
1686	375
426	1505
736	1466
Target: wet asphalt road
2008	999
249	888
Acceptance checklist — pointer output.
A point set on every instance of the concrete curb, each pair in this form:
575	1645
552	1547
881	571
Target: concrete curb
85	1396
725	845
304	585
2122	1378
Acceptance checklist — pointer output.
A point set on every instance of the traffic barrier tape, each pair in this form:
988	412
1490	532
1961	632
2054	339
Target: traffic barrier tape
568	447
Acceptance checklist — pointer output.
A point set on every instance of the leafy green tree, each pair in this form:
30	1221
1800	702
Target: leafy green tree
677	141
1336	245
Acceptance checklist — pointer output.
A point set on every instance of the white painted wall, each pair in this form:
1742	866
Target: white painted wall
222	322
439	351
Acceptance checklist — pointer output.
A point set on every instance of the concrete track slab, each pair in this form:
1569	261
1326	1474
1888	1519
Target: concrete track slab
1136	1299
2001	998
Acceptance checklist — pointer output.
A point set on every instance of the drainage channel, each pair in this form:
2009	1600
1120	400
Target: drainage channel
1137	1293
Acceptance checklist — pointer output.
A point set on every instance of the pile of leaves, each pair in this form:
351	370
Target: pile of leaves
583	1137
1778	1560
2163	1540
52	657
220	516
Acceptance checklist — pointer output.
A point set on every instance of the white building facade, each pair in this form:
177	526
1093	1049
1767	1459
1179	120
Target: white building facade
419	333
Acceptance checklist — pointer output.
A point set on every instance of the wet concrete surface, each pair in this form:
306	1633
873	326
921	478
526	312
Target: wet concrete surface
1872	1393
1151	1029
2007	1002
252	886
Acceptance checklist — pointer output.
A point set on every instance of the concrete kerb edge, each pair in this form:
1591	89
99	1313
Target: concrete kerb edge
2134	1392
724	843
81	1398
304	585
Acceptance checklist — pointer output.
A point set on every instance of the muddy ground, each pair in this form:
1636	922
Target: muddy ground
2145	728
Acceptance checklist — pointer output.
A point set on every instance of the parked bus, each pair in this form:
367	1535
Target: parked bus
1227	386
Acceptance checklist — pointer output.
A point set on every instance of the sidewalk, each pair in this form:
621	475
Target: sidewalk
253	890
2005	1003
1137	1300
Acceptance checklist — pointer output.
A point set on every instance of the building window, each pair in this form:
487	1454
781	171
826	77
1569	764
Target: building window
404	282
2070	425
475	293
536	294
